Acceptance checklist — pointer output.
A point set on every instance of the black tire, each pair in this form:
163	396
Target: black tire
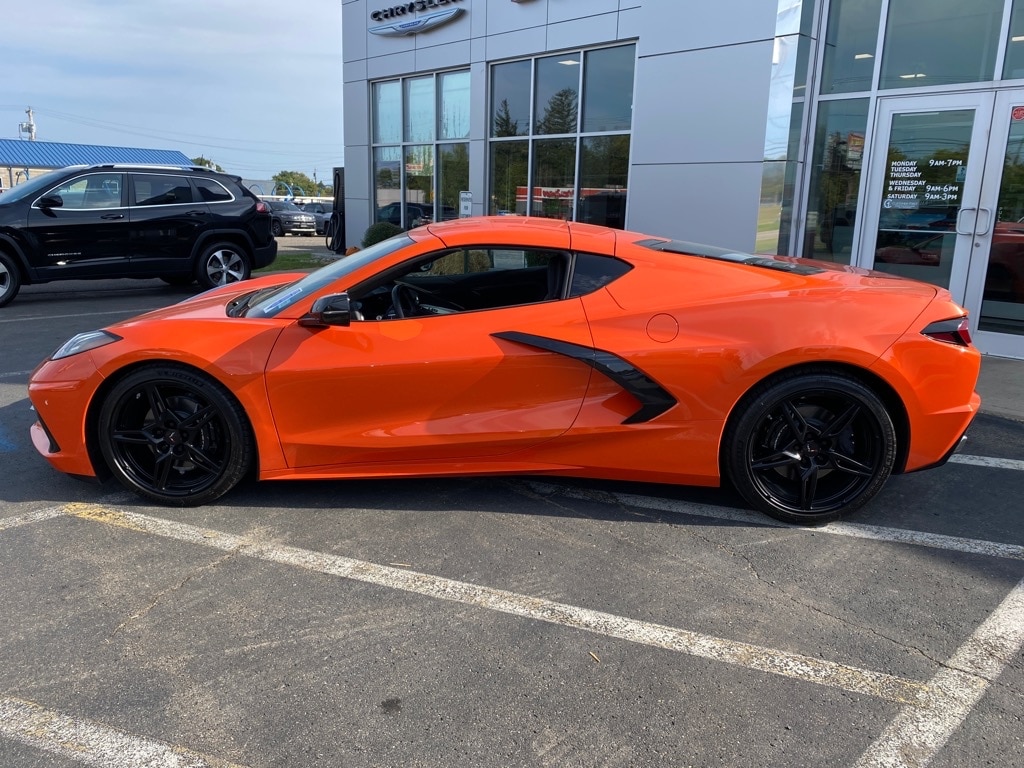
810	446
276	229
10	279
175	436
222	263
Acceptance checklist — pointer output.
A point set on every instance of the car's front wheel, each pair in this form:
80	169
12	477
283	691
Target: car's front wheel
10	279
276	229
221	264
175	436
808	447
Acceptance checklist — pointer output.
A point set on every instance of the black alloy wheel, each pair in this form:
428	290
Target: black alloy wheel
175	436
10	279
221	264
276	229
809	447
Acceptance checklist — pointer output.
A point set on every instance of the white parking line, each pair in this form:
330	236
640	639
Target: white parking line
852	530
918	733
987	461
31	517
129	312
791	665
91	743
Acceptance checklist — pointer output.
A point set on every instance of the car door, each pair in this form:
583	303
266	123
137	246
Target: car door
441	386
85	233
167	216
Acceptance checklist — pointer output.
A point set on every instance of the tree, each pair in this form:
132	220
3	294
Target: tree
560	113
301	184
206	162
504	125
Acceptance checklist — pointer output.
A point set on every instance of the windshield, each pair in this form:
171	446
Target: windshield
287	295
30	188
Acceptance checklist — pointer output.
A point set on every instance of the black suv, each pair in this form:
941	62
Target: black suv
181	224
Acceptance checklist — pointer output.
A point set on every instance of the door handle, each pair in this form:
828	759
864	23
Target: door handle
988	222
196	213
960	230
112	216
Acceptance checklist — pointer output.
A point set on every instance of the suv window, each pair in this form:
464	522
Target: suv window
153	189
97	190
210	191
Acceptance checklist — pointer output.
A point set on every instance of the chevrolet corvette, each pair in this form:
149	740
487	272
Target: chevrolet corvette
529	346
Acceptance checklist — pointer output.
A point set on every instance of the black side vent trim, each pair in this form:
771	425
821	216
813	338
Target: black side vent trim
654	399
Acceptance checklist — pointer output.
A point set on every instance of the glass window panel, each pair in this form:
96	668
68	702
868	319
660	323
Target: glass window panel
556	94
419	109
604	173
924	177
387	112
454	110
1002	304
453	177
608	89
850	42
508	174
387	176
835	179
554	176
419	185
940	42
1013	65
510	94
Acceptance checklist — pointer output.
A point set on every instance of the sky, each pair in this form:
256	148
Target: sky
255	86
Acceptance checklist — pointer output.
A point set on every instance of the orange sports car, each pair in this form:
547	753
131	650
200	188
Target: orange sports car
529	346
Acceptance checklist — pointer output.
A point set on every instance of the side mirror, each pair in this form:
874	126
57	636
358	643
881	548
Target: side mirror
334	309
51	201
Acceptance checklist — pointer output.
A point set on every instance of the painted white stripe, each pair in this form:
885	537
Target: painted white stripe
129	312
31	517
986	461
791	665
14	374
918	733
92	743
852	530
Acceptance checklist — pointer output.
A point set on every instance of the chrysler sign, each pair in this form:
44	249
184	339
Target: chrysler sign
398	21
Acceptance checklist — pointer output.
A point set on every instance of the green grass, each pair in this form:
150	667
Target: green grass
291	262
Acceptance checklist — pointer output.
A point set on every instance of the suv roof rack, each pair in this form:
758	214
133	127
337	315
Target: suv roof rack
162	166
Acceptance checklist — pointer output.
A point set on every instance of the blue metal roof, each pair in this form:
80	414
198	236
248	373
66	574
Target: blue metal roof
18	153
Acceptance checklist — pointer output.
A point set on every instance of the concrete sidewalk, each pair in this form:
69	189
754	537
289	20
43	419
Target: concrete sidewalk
1001	386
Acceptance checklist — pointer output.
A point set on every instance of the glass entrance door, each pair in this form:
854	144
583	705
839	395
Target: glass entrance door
995	285
945	204
924	185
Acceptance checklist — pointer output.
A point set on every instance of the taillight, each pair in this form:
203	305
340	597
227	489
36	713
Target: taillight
955	331
262	207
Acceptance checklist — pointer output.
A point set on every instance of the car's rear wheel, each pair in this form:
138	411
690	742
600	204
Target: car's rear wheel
175	436
221	264
10	279
276	229
809	447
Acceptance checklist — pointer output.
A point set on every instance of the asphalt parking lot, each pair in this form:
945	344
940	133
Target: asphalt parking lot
497	622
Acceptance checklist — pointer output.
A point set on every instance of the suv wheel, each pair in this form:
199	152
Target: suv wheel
10	279
222	263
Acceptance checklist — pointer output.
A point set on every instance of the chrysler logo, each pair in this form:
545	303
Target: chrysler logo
406	26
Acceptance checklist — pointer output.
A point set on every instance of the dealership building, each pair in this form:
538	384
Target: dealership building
878	133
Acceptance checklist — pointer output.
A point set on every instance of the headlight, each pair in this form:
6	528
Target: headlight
83	342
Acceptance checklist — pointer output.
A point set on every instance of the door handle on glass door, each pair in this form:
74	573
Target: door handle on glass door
979	231
960	230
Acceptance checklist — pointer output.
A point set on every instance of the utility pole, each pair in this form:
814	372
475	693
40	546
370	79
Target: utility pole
29	127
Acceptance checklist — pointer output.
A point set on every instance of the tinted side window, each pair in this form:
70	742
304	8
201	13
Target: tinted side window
157	189
97	190
210	191
592	272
